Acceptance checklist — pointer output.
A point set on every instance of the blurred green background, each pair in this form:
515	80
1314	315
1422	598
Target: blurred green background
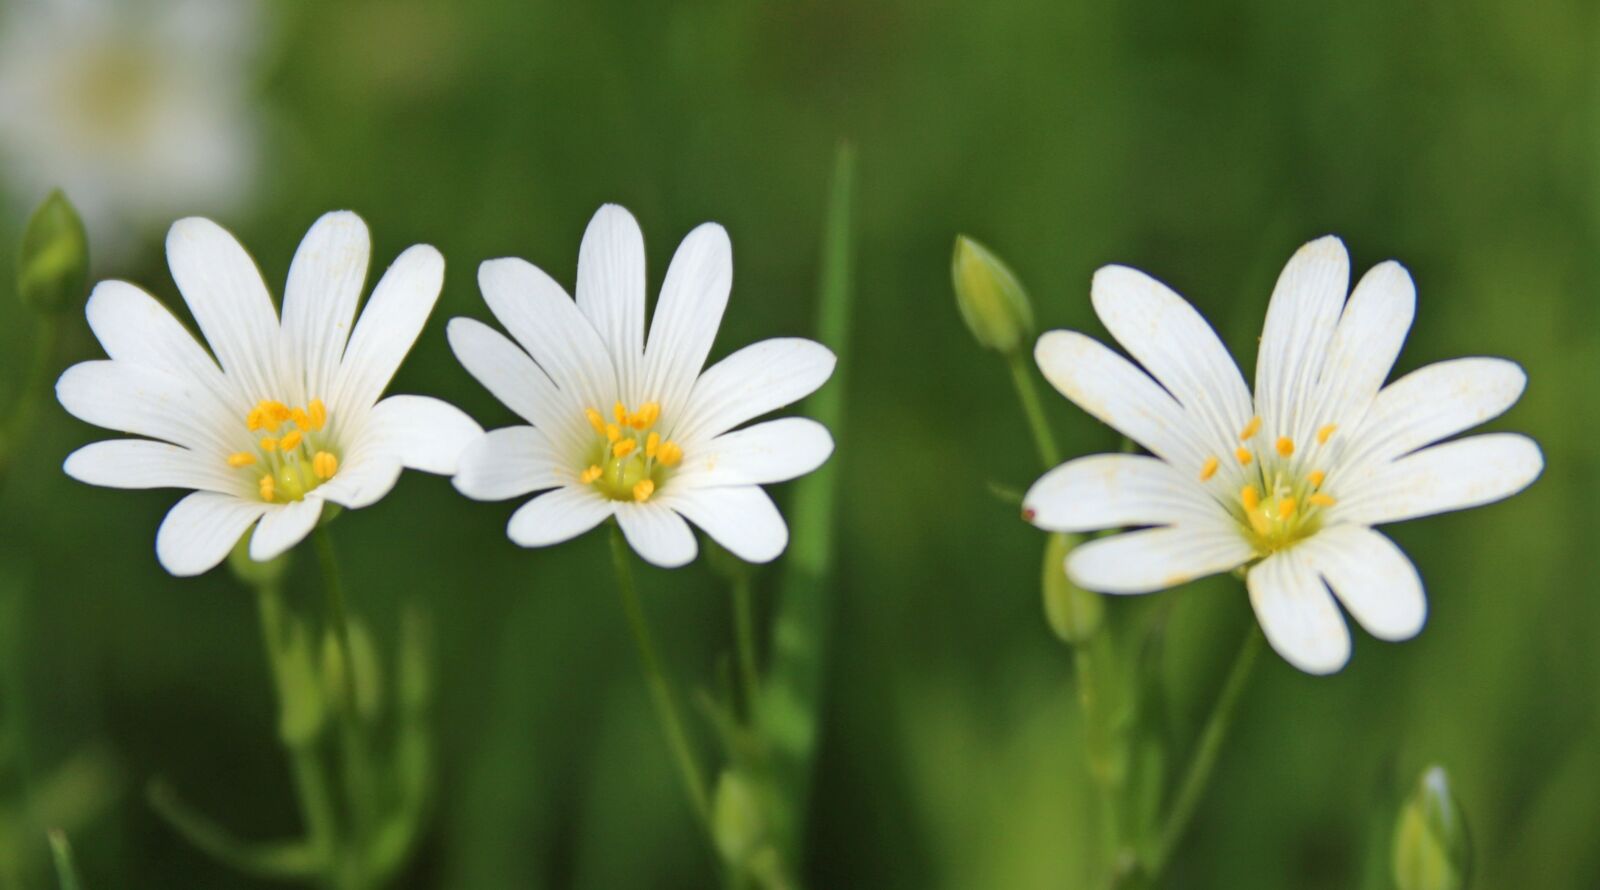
1200	142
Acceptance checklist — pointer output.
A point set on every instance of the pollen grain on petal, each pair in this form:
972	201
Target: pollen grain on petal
1326	433
1209	468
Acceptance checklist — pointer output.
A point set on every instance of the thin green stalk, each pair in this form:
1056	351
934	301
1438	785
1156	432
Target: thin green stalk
357	779
66	869
1207	748
19	415
744	625
666	705
1028	392
1107	762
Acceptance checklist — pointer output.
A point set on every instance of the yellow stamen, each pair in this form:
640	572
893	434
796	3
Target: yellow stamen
268	444
1286	508
643	490
1326	433
266	488
1209	469
241	459
613	432
648	414
589	475
256	419
324	465
595	420
1243	454
1285	446
1250	497
624	447
317	414
1315	477
290	440
1322	500
621	413
277	412
652	444
1250	429
301	419
669	454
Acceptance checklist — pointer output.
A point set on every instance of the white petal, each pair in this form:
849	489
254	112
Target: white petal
511	376
759	378
141	463
145	401
224	290
1429	404
557	516
1180	350
420	432
742	519
1366	344
200	530
361	481
136	328
1120	395
774	451
319	301
687	316
508	462
283	527
611	291
1300	323
1298	614
1113	490
1453	476
1156	558
1372	577
657	534
542	318
389	324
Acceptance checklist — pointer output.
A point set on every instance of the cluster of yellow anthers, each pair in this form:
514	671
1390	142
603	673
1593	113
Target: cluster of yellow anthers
293	466
629	462
1284	508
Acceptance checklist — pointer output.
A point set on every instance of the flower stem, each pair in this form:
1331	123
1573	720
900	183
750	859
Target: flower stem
745	638
660	690
1043	439
356	776
1207	748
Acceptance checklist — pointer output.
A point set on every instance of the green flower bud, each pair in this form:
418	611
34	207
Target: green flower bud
256	574
301	710
369	679
992	301
1074	614
53	268
1431	847
738	826
414	680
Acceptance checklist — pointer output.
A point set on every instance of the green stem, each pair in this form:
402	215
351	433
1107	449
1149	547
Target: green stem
1038	424
745	639
1094	662
356	775
20	414
1207	748
660	690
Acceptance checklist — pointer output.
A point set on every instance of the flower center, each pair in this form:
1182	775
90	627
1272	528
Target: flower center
1279	503
628	460
289	458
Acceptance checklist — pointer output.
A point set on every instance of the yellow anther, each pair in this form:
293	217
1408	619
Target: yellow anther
1250	429
268	444
1322	500
1250	497
1243	454
643	490
241	459
624	447
324	465
669	454
277	412
652	444
589	475
647	416
1209	468
1286	508
595	420
613	432
266	488
256	419
1315	477
317	414
290	440
621	413
1326	433
1285	446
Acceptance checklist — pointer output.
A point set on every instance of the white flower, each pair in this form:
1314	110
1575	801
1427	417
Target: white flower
140	112
291	419
1291	482
626	428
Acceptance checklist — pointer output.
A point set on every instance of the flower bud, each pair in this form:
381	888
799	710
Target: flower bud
255	574
414	671
1074	614
1431	847
369	679
737	825
300	711
992	301
53	268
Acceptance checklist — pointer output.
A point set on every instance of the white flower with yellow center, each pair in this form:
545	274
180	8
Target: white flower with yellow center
291	420
1291	482
628	428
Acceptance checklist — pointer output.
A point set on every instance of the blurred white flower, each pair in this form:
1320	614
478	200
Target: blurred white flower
1290	482
626	428
140	111
291	419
